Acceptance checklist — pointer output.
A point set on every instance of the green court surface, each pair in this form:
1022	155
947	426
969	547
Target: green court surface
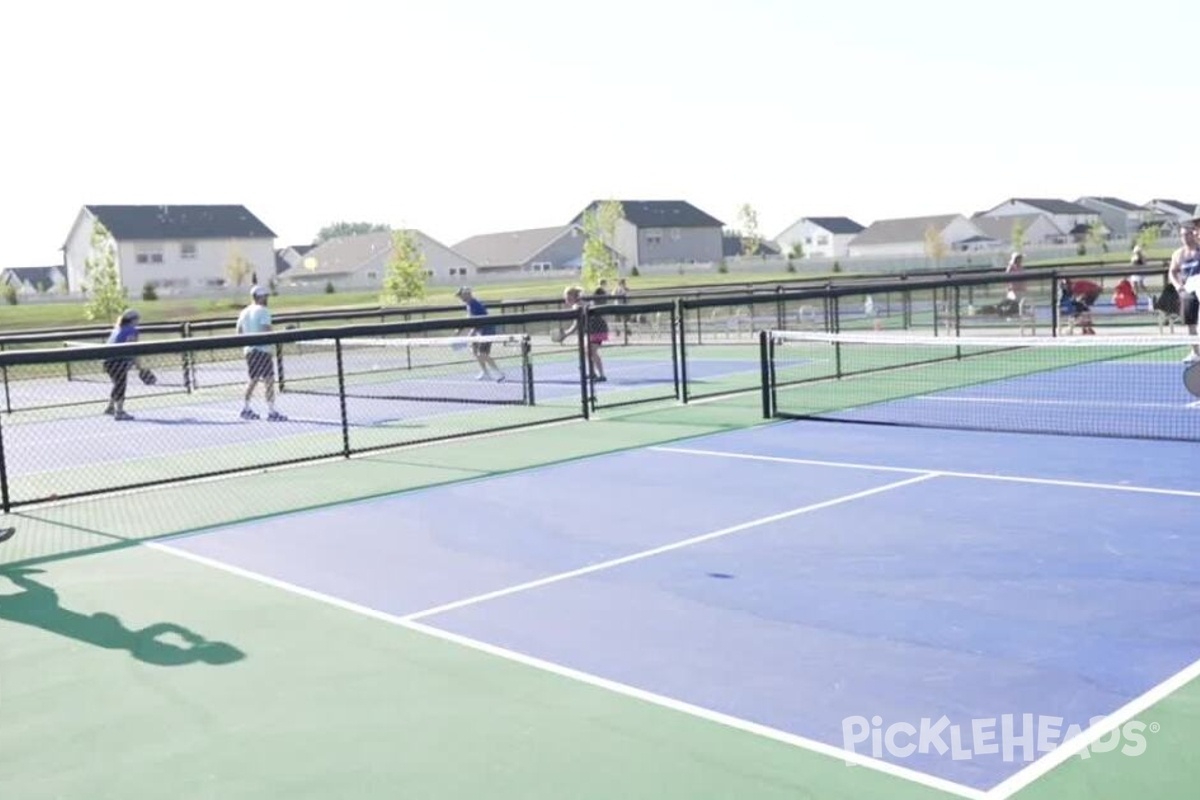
104	695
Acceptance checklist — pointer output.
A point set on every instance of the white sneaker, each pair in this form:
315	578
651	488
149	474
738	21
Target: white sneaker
500	378
1192	358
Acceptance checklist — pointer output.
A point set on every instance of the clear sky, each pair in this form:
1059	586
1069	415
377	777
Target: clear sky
461	117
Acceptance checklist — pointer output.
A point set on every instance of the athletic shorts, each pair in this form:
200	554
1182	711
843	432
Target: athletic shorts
1190	306
598	338
260	365
481	348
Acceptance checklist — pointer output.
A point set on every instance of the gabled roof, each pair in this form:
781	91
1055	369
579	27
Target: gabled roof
1050	205
345	255
659	214
180	222
509	248
1001	228
36	276
732	246
1114	202
837	225
1183	208
907	229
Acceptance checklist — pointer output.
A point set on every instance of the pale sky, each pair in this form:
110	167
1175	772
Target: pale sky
461	117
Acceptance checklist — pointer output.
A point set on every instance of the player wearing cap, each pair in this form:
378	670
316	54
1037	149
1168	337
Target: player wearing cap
124	332
482	350
256	318
1184	275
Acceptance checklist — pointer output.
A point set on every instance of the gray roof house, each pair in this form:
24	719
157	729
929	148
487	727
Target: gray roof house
34	280
664	232
906	237
1122	218
174	245
1072	219
825	237
362	261
530	250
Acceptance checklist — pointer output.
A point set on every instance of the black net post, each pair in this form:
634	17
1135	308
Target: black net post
683	362
675	345
341	379
585	361
1055	299
185	332
765	372
527	369
7	395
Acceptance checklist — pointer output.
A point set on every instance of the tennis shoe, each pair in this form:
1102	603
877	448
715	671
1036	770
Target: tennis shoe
1192	358
122	415
248	414
500	378
275	416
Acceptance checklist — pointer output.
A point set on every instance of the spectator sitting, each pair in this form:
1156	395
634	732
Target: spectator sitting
1076	303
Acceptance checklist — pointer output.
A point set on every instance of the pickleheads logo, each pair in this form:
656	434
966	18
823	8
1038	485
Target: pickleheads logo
1023	737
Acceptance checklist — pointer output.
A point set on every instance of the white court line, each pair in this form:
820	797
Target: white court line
666	548
408	622
1049	762
1025	401
984	476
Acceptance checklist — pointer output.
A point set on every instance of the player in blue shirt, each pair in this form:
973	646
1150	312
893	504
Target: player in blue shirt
124	332
1184	275
482	350
256	318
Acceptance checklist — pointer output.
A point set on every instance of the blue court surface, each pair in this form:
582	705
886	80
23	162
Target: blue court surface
800	577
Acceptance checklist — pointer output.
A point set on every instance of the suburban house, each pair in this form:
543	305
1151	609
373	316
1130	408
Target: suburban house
664	232
734	246
531	250
910	236
174	247
35	280
1123	219
1072	219
289	257
1170	213
1035	230
819	237
362	260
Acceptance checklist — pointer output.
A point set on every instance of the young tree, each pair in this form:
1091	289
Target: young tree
237	268
405	278
337	229
1018	237
599	246
935	245
107	298
751	240
1097	236
1148	236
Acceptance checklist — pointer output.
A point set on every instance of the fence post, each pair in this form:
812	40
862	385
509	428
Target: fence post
764	360
4	499
674	321
585	361
683	371
1054	301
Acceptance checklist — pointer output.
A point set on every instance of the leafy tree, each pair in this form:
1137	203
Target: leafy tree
406	277
237	268
107	298
337	229
751	240
1097	235
1148	236
599	247
1018	236
935	245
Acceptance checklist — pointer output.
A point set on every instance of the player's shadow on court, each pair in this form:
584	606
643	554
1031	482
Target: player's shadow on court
37	605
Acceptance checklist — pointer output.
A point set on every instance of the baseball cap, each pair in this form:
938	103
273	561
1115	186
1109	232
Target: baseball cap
259	291
462	291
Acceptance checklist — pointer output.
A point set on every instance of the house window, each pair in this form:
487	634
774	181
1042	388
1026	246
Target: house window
822	240
372	276
653	236
149	255
187	251
675	234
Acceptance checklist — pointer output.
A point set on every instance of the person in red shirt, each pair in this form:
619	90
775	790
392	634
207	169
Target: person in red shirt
1125	295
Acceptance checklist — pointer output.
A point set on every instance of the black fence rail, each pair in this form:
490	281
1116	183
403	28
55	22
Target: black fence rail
340	392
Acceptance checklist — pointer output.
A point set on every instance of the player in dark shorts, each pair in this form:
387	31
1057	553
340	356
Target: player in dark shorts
118	369
597	332
481	350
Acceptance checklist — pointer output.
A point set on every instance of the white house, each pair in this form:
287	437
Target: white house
909	236
1171	213
1071	218
819	237
664	232
1122	218
34	280
362	261
1036	230
174	246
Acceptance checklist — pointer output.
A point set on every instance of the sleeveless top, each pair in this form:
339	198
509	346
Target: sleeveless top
1189	264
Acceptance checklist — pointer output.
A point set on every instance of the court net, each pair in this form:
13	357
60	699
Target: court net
1129	387
488	369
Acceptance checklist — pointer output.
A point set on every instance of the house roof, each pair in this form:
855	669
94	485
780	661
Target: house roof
1001	228
1183	208
1114	202
1051	205
732	246
509	248
907	229
180	222
660	214
35	276
837	225
345	255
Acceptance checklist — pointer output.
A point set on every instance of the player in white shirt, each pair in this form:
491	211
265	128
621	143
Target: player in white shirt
256	318
1184	274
